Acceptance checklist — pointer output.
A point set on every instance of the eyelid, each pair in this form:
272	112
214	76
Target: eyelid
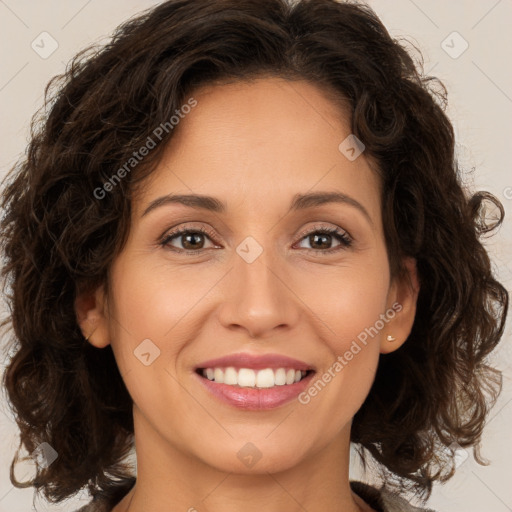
320	227
176	231
181	230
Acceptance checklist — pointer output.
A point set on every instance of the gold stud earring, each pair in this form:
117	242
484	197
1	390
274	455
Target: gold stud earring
390	338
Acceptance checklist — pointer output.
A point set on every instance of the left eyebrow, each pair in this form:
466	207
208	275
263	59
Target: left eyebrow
299	202
316	199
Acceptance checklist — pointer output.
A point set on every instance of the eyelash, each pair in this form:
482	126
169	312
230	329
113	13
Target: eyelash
341	235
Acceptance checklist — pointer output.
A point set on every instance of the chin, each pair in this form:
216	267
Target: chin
255	455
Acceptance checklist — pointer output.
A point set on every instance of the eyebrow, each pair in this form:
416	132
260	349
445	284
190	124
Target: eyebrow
299	202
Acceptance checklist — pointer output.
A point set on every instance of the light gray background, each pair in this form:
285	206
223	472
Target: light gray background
479	82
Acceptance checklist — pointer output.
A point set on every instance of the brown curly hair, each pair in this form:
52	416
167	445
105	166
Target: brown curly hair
59	240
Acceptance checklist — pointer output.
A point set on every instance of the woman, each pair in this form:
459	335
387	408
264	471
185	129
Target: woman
239	243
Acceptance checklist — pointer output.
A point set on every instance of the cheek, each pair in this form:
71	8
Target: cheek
152	302
152	320
347	298
350	307
339	388
357	313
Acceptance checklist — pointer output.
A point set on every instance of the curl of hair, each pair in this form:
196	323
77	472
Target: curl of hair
59	239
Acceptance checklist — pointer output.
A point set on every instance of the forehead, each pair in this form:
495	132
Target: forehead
260	143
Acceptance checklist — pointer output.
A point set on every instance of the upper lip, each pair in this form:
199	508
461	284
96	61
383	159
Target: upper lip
256	362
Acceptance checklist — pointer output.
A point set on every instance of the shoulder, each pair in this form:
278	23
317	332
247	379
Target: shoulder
382	500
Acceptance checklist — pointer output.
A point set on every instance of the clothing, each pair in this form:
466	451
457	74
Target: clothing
384	501
379	499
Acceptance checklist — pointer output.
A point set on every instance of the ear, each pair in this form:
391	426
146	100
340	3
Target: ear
91	315
402	298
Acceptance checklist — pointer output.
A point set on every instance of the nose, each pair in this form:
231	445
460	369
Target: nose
258	297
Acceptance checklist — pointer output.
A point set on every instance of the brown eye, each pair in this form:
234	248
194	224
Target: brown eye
320	240
192	240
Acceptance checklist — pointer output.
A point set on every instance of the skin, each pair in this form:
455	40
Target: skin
252	145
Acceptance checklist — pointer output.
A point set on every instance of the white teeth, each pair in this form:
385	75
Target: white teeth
246	377
218	375
265	378
230	376
280	377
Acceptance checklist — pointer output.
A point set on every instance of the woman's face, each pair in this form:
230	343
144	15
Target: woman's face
263	285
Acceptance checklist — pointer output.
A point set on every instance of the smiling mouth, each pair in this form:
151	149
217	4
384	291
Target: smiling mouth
249	378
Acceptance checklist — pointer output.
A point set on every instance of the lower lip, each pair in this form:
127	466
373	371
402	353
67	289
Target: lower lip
256	399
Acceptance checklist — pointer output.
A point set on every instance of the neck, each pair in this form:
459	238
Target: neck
170	479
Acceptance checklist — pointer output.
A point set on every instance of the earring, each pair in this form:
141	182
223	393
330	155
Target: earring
87	339
390	338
